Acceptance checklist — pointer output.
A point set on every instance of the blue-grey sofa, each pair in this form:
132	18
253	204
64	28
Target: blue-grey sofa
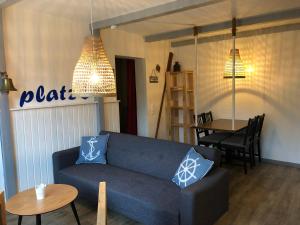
138	175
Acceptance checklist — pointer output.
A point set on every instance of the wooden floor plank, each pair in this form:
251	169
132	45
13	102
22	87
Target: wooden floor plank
268	195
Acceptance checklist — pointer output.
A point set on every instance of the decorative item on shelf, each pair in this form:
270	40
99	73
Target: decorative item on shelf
6	84
153	77
239	65
176	67
93	74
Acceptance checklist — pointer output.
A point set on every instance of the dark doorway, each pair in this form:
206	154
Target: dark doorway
126	93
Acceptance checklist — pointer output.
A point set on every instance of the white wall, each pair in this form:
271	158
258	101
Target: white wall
141	97
43	49
2	66
157	53
121	43
273	88
40	49
2	187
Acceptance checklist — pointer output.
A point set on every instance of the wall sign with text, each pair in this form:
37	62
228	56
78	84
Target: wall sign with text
51	96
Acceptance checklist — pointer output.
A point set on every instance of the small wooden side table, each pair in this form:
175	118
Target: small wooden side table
57	196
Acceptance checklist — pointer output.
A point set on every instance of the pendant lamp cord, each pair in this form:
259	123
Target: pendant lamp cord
92	26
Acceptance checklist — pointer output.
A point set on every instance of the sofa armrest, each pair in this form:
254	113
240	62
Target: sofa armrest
204	202
64	159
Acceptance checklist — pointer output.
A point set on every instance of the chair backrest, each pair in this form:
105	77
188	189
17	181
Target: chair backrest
2	209
102	208
250	130
199	122
199	119
261	119
208	116
258	128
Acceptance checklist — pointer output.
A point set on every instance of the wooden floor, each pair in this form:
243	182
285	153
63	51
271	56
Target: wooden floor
268	195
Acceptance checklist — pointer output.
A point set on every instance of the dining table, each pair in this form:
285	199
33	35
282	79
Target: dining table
223	125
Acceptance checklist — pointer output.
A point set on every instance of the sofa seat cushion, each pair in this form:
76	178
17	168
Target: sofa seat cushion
138	196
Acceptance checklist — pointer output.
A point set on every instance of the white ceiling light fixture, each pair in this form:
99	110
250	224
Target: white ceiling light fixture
93	75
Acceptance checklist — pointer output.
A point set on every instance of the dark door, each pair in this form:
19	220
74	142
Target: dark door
126	93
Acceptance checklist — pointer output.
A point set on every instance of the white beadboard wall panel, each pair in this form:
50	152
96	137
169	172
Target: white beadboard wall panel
111	115
40	132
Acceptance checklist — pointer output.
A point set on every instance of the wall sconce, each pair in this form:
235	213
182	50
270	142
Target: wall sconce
153	77
6	84
239	66
249	69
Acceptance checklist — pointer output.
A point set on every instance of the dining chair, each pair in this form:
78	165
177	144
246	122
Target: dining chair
198	130
207	117
102	205
242	143
214	139
257	136
2	209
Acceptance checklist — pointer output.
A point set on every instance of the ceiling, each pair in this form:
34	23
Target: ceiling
215	13
80	9
219	11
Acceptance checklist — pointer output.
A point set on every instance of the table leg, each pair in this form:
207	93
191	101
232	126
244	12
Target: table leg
38	219
75	212
20	220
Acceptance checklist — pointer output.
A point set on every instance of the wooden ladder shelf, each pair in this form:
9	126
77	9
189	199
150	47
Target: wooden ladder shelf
180	107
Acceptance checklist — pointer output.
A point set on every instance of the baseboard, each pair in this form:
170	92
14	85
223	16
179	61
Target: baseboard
281	163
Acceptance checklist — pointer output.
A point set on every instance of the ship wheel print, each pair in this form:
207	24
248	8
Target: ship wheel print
90	156
187	170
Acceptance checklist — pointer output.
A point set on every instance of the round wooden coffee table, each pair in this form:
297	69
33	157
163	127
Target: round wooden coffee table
57	196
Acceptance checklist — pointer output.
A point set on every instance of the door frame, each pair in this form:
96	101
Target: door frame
141	94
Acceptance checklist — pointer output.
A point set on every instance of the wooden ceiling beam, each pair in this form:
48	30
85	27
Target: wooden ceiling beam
160	10
243	34
6	3
270	17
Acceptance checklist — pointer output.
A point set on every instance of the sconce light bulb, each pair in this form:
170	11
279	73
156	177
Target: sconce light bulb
249	69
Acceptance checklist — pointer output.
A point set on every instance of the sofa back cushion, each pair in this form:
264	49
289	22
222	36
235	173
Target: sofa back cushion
93	149
158	158
192	169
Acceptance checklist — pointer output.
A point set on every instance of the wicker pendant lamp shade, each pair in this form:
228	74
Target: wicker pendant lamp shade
239	65
93	74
